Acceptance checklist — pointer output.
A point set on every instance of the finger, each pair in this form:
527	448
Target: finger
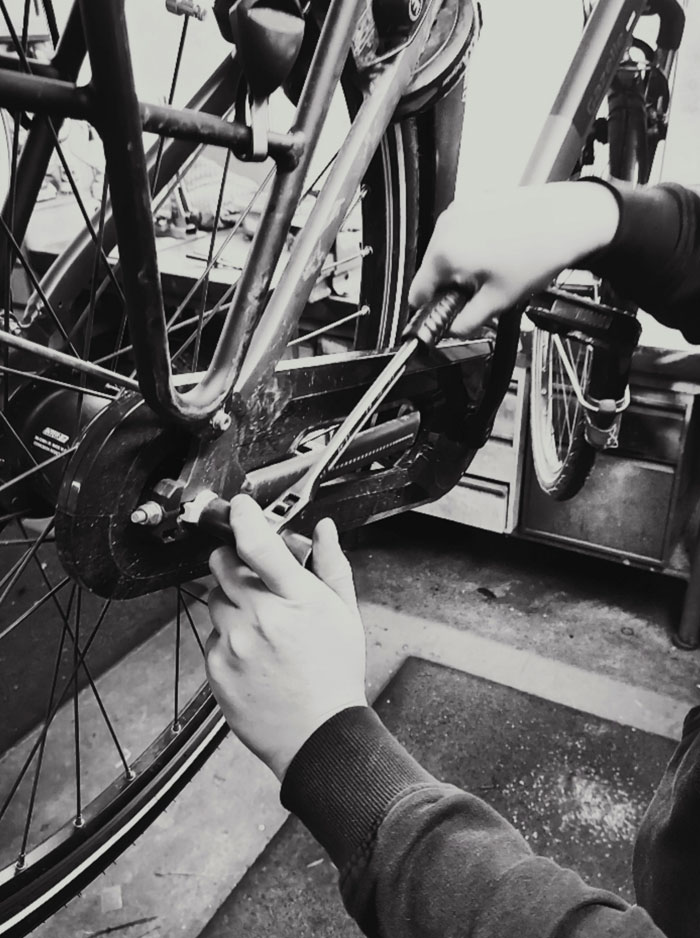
231	625
485	303
299	545
264	551
426	282
236	580
330	563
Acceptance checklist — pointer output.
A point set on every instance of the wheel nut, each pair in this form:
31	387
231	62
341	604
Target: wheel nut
185	8
150	513
221	421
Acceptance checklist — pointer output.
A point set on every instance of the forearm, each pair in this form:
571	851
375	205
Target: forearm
420	858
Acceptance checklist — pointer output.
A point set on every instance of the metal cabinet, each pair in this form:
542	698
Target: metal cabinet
488	495
635	504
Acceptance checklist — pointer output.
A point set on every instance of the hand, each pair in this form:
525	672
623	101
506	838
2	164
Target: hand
514	242
287	650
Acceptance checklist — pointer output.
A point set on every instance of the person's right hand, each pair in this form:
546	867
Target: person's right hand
513	242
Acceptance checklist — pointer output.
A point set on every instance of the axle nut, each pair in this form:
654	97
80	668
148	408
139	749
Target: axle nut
150	514
221	421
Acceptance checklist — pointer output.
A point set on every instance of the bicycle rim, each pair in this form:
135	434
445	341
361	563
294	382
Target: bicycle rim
562	456
80	777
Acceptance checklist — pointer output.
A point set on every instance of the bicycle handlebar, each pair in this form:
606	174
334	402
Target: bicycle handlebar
672	22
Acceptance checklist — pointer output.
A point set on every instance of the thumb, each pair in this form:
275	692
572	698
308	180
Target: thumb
330	563
425	284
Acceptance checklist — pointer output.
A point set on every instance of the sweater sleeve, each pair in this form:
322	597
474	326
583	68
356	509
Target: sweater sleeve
667	851
419	858
654	258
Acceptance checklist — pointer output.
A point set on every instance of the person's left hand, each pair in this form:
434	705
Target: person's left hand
287	650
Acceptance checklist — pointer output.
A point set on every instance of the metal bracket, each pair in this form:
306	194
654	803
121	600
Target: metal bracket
588	403
186	8
259	125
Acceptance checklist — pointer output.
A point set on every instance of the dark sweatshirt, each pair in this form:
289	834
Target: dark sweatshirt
421	858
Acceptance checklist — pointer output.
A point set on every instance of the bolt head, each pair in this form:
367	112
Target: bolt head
221	421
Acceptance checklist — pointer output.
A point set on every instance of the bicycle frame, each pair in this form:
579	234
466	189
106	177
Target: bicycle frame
252	339
111	92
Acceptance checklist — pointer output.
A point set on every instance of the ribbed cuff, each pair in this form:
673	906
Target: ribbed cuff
344	778
648	230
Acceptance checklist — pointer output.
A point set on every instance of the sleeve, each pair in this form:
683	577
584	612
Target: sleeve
423	859
654	258
666	861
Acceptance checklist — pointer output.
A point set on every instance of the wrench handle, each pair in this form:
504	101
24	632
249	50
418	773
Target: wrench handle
431	322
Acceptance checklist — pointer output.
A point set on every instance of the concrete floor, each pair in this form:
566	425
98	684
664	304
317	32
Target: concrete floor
585	633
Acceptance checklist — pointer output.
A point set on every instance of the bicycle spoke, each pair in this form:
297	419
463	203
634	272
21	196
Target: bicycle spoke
212	242
56	383
194	596
176	695
74	364
193	627
40	758
51	21
44	730
171	98
81	659
39	467
59	152
76	715
358	314
10	202
89	311
19	541
4	519
565	386
245	212
37	286
13	577
32	609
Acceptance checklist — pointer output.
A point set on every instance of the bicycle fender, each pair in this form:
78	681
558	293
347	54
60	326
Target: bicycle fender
444	61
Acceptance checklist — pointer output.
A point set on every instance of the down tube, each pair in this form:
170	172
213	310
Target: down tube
603	43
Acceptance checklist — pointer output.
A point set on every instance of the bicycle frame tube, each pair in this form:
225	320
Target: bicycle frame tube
113	90
316	238
250	344
605	40
113	82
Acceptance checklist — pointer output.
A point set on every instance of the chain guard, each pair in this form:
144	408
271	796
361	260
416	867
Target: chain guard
125	451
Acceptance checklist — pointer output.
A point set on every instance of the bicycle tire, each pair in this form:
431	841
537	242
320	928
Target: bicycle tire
562	457
57	866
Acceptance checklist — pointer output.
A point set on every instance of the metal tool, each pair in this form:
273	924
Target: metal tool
211	513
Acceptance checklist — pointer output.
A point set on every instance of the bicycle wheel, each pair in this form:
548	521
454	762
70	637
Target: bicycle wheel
84	766
562	455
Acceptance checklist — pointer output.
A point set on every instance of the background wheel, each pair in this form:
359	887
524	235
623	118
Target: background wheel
85	767
561	454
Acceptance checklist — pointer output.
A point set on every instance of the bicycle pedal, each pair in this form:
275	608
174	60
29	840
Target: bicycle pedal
595	323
